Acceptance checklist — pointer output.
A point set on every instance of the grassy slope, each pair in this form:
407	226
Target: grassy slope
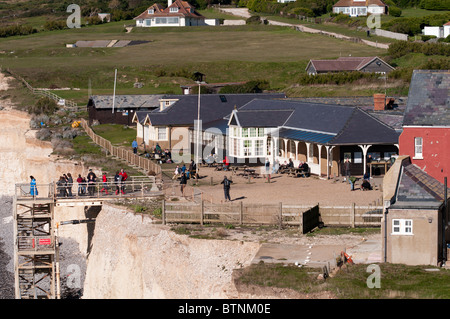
224	54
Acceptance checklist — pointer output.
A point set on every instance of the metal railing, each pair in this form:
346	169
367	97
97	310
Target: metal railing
53	191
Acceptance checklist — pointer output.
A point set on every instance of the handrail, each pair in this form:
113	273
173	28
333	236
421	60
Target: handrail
77	190
129	156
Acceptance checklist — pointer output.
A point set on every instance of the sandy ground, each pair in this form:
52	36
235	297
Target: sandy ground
285	189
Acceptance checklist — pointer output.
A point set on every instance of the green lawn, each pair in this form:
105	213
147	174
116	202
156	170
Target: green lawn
223	54
396	281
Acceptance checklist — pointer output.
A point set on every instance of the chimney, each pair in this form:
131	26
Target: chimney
169	3
379	101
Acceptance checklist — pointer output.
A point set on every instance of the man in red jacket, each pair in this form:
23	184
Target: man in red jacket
122	182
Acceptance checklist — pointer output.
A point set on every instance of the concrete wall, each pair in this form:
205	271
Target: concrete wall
392	35
420	248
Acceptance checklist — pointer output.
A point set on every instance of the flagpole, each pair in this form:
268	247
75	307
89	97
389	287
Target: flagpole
114	94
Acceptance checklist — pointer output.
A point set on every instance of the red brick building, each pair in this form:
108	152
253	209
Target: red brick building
426	123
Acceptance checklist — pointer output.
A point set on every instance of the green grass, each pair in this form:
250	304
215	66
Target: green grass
117	134
396	281
224	54
334	231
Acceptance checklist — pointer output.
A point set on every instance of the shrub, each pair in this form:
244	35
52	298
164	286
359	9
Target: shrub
335	78
253	20
255	86
55	25
44	105
435	4
395	11
94	20
400	48
13	30
303	12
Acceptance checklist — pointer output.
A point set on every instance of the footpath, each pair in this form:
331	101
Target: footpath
243	12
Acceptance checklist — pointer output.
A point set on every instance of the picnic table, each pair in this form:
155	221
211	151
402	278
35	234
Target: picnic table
249	172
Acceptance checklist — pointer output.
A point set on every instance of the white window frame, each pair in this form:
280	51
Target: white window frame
161	132
151	11
402	226
418	148
173	9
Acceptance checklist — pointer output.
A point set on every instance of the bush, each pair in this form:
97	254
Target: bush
16	30
400	48
94	20
253	20
44	105
335	78
303	12
414	25
395	11
435	4
55	25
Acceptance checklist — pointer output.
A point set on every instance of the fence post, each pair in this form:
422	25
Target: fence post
163	211
352	215
241	212
202	211
281	216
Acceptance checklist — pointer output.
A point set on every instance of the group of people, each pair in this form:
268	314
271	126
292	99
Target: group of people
86	185
365	185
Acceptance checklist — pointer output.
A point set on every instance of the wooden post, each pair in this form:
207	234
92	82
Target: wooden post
241	213
211	182
352	215
281	216
202	211
163	211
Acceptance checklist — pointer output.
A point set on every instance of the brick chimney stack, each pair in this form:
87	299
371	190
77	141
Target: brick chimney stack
379	102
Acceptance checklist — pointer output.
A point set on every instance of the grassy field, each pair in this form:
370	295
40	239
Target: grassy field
223	54
396	281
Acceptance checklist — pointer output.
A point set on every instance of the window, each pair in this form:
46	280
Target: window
260	132
252	132
151	11
161	21
172	20
418	147
259	148
402	226
162	134
247	148
244	132
174	9
147	22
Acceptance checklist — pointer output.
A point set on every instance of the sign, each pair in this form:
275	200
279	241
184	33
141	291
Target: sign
45	241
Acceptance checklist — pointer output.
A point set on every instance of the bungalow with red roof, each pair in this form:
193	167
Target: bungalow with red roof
438	32
348	64
177	14
356	8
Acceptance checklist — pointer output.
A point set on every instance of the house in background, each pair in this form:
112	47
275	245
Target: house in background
357	8
415	224
348	64
100	107
438	32
177	14
105	17
426	123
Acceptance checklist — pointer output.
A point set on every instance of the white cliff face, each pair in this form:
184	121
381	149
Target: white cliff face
22	155
134	258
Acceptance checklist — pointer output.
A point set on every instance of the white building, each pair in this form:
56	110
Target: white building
438	32
177	14
356	8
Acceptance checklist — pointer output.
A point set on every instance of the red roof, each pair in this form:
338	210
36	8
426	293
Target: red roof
185	9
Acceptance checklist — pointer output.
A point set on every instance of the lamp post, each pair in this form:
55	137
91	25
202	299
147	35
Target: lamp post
199	80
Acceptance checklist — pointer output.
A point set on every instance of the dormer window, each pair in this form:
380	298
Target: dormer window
151	11
174	9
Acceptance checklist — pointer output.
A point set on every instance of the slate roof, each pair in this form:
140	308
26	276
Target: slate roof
125	101
212	107
263	118
417	189
428	99
331	124
343	64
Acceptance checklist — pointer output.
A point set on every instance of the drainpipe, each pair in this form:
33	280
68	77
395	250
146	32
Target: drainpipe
385	234
444	215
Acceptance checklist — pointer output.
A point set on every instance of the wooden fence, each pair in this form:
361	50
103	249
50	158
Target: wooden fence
68	104
277	214
126	155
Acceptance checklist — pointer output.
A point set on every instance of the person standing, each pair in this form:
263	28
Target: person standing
69	184
80	185
91	179
122	182
267	165
105	183
134	145
33	189
117	181
226	188
183	182
347	169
